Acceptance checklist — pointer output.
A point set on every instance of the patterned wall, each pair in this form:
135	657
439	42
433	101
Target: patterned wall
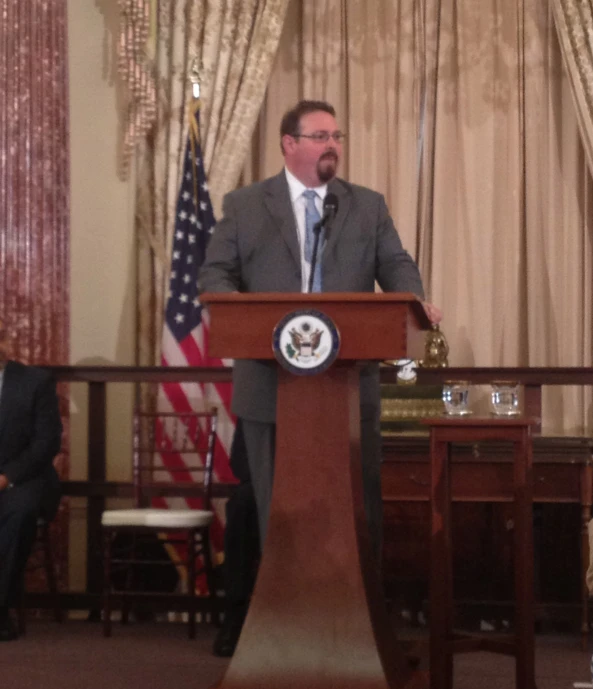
34	178
34	193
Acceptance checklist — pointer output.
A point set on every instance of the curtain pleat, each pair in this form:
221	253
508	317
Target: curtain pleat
234	43
574	22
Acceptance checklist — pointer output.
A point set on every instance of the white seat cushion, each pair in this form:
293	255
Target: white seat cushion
157	518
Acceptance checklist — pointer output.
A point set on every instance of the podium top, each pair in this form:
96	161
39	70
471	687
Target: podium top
373	325
314	298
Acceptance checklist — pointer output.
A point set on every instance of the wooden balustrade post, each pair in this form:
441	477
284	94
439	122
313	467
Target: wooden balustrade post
97	473
532	404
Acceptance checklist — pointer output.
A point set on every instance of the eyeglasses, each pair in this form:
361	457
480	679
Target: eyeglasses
322	137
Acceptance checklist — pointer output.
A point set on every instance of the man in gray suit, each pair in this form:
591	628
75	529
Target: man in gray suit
260	245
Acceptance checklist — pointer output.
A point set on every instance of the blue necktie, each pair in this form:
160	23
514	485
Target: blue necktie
311	217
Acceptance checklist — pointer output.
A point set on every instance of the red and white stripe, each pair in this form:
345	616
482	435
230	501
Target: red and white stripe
192	396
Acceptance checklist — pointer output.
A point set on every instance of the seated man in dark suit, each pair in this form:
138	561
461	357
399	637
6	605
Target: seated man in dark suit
30	436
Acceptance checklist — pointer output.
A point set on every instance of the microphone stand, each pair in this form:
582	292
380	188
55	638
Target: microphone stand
316	231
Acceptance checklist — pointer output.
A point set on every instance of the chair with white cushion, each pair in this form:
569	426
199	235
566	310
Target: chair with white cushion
172	463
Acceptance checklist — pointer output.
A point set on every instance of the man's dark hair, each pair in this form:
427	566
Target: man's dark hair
291	121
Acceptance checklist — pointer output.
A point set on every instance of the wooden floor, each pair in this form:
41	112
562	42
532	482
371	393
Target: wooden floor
160	656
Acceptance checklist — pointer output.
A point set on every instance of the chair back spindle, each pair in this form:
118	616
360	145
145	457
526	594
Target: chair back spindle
173	455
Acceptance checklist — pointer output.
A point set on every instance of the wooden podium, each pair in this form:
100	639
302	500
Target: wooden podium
317	618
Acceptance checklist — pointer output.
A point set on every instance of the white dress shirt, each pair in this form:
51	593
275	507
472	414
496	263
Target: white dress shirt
298	205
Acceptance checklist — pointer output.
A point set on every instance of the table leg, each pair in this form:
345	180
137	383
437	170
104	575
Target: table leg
523	556
441	569
586	499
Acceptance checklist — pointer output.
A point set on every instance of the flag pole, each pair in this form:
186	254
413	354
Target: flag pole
186	329
194	76
193	116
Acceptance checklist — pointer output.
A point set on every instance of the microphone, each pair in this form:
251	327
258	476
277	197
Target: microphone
330	208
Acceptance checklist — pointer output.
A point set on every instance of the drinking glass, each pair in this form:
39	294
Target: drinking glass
455	397
504	398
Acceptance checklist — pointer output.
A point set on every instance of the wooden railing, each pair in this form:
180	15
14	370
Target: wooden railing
97	488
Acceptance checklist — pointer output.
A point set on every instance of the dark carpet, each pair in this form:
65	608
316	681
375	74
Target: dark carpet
160	656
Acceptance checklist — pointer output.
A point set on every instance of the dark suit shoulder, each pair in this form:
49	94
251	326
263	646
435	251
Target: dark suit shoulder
34	374
356	190
278	184
256	189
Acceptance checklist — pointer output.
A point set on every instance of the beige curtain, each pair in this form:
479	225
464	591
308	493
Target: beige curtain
461	114
136	18
574	21
240	42
234	41
574	24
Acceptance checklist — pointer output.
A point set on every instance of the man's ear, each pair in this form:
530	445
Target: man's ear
288	143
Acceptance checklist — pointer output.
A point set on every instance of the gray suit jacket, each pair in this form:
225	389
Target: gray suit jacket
255	248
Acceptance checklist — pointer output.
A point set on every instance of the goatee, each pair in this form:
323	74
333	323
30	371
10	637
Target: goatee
327	171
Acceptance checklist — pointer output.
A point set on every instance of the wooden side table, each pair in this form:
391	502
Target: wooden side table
443	641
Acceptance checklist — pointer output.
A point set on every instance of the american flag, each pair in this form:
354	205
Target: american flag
185	331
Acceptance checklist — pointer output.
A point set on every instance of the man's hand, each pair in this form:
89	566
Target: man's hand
433	312
4	483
